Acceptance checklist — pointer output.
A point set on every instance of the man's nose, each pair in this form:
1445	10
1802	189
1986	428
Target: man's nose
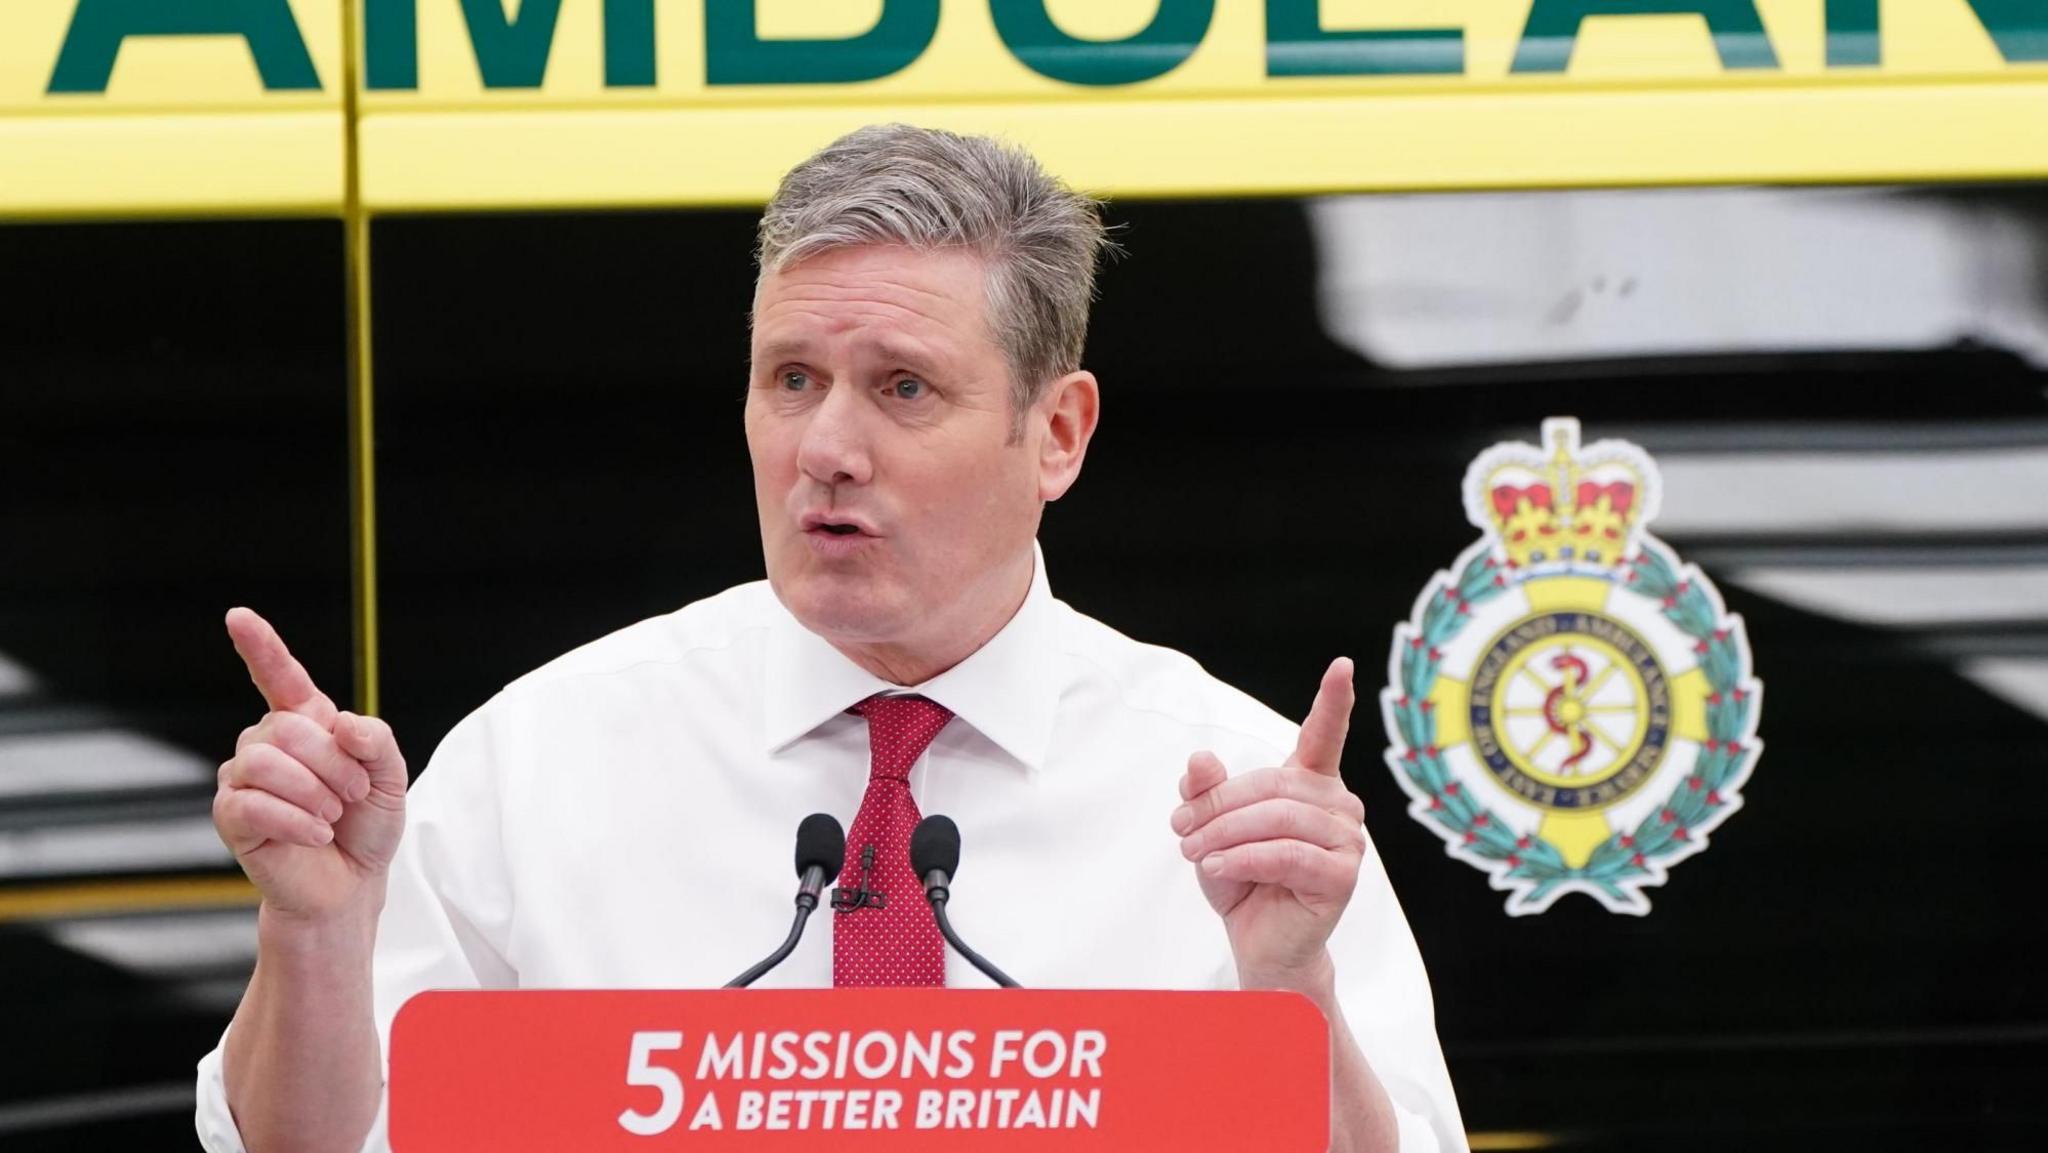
834	448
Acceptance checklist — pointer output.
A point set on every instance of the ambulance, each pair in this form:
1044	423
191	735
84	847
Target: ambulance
420	325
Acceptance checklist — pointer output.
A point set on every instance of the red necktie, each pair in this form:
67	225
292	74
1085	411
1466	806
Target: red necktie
897	943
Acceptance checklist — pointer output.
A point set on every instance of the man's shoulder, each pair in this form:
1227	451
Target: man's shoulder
700	632
1165	683
695	649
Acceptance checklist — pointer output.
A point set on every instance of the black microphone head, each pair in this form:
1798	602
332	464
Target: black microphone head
935	845
820	842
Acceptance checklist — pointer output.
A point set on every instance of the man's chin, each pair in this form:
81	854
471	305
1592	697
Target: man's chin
844	612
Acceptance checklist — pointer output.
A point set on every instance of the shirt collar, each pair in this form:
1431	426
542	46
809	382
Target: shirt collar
1005	689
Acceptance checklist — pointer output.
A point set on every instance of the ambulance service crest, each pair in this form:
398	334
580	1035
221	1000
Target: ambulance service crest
1570	707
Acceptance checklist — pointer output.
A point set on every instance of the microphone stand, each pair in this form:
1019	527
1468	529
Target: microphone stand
806	901
935	891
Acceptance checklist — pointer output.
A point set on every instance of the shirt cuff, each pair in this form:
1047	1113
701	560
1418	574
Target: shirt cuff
1420	1131
216	1122
210	1114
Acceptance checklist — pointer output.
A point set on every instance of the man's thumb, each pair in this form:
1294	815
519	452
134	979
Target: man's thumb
370	741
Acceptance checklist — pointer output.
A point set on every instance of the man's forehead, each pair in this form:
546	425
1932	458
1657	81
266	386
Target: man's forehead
879	267
895	298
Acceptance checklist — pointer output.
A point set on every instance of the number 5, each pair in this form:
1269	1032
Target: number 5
641	1071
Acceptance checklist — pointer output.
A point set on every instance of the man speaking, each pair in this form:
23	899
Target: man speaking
621	817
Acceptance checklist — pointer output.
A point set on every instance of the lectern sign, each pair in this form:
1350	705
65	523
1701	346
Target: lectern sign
903	1069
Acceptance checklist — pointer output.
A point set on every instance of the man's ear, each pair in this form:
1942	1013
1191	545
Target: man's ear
1069	408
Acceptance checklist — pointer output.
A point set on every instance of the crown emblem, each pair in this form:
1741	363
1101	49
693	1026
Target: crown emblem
1572	505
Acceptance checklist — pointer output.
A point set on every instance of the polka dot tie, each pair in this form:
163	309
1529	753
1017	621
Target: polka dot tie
897	943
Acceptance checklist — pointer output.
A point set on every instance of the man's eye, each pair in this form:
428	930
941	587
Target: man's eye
795	381
909	388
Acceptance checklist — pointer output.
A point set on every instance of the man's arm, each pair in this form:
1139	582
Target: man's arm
1361	1115
313	805
302	1060
1278	852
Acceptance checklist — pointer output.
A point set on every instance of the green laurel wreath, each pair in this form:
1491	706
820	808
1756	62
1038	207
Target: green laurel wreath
1623	855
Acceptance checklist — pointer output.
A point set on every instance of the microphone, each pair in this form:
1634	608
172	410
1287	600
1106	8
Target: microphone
935	857
820	850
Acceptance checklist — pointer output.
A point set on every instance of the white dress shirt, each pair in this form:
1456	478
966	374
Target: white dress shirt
623	817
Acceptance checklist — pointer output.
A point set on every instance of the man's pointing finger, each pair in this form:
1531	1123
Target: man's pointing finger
1320	747
283	681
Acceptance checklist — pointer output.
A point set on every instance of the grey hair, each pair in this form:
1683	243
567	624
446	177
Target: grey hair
927	189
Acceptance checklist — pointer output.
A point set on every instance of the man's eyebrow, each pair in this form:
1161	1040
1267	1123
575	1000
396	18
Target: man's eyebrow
778	349
901	352
917	355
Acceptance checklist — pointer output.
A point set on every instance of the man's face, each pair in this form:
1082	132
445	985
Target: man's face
897	513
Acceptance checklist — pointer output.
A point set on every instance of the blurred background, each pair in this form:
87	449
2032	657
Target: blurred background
1845	385
1852	426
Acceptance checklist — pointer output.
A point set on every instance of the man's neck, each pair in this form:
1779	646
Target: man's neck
916	663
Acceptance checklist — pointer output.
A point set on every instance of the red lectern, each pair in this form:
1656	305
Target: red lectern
734	1071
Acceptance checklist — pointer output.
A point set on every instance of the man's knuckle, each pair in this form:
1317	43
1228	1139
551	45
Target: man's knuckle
253	760
1299	857
301	729
281	729
1353	806
258	758
1329	829
1288	819
1221	830
231	808
1267	856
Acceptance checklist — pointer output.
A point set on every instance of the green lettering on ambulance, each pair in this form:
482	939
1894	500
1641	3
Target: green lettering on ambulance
512	53
628	43
509	53
1852	34
1176	30
2018	27
1553	30
735	53
391	45
98	28
1297	44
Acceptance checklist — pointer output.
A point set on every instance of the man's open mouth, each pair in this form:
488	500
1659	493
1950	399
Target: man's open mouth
835	524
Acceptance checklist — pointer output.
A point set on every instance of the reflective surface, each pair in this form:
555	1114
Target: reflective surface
560	454
172	442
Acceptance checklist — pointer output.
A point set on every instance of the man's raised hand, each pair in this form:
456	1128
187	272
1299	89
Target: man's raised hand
313	801
1278	849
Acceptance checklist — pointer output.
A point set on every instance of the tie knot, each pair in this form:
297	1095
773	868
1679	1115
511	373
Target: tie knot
899	729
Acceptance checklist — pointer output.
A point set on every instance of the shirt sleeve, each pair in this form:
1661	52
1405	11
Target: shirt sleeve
1385	994
447	912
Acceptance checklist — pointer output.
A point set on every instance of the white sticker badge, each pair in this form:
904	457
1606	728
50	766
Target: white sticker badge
1570	707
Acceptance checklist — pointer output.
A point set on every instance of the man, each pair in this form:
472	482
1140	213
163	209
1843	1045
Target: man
621	816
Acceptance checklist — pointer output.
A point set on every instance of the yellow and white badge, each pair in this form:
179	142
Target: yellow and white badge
1571	708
